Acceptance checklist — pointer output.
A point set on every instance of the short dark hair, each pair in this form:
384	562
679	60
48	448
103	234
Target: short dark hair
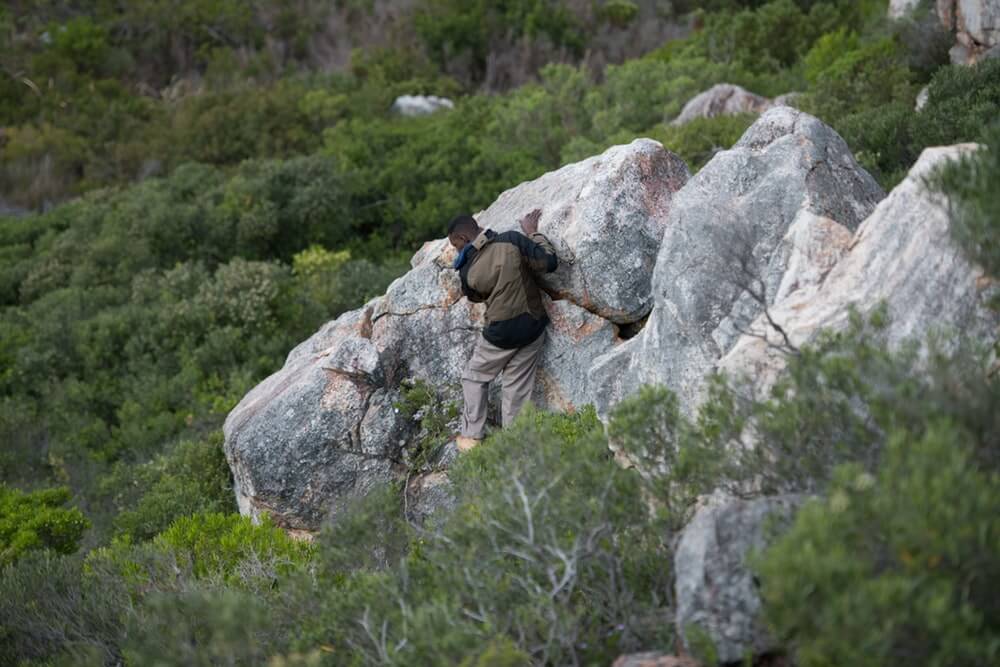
462	223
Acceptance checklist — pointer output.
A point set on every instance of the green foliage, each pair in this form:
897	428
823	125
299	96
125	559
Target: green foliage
192	478
962	104
217	544
435	416
971	185
897	564
333	282
199	627
38	520
541	558
50	610
468	31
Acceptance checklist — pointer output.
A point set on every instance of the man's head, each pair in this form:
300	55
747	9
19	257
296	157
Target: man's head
462	229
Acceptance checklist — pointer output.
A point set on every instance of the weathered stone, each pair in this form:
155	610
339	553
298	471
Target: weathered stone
727	232
976	24
717	595
429	496
923	97
420	105
787	99
605	216
902	256
325	428
722	100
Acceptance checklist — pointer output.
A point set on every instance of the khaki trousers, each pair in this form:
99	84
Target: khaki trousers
488	360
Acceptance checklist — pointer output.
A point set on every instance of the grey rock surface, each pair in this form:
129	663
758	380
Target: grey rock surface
976	24
717	595
420	105
902	256
324	428
605	216
726	233
721	100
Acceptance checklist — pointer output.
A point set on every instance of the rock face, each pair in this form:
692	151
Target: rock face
420	105
772	213
721	100
605	216
717	595
976	24
324	428
901	256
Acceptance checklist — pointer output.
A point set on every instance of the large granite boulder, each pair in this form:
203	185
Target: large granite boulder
903	257
325	427
733	234
717	594
605	216
722	99
976	24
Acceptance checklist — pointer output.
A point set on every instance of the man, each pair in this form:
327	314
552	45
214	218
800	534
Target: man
499	269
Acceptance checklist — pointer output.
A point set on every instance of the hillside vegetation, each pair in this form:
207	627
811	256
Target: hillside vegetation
205	182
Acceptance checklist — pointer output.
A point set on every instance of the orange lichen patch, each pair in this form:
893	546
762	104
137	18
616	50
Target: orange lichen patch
343	389
576	330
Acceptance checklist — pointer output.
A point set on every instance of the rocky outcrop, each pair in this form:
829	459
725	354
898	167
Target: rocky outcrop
975	24
772	213
721	100
420	105
716	592
325	427
902	256
605	216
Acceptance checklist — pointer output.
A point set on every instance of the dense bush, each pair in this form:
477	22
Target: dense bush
192	478
895	566
962	104
543	549
38	520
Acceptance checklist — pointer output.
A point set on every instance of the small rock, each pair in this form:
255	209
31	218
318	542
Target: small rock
720	100
420	105
717	594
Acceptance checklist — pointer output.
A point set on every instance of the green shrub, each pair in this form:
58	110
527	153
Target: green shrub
962	104
971	185
217	544
38	520
200	627
548	548
51	613
192	478
894	566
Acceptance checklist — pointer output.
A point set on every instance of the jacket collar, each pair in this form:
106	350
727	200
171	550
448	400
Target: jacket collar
484	237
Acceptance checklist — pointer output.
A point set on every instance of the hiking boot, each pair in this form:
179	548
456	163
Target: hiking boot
465	444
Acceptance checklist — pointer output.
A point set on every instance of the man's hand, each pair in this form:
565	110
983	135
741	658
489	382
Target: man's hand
529	223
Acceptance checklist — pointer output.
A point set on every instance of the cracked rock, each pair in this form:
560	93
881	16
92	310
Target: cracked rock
325	428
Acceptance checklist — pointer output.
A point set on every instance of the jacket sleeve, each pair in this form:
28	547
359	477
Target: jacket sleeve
537	250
